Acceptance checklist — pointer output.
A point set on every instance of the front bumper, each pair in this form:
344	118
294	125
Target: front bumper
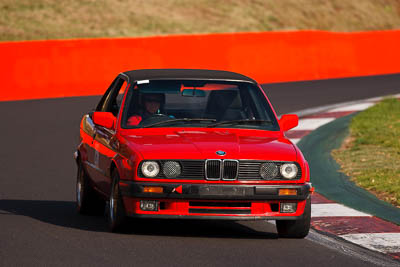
214	192
214	201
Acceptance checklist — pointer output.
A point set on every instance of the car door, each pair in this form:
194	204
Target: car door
104	149
88	134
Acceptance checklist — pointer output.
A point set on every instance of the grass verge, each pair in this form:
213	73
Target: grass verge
370	155
55	19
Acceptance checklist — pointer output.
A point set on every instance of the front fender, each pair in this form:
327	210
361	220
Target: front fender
126	167
301	159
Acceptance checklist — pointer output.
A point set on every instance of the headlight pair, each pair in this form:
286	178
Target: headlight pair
270	170
151	169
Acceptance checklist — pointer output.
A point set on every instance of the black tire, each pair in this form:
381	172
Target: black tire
116	215
88	202
296	228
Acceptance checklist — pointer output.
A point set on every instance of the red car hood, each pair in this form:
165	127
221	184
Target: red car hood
203	144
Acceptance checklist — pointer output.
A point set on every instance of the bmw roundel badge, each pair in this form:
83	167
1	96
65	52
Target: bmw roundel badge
220	153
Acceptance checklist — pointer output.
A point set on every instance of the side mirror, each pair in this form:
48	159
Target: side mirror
288	122
105	119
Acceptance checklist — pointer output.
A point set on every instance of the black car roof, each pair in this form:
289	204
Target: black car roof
195	74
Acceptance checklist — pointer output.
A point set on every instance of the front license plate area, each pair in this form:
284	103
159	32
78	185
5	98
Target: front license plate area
221	191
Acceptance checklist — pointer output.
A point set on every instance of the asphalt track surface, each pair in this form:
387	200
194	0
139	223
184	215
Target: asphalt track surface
39	224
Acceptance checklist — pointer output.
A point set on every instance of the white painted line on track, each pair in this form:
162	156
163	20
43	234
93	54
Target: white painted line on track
355	107
295	140
326	108
312	124
335	210
382	242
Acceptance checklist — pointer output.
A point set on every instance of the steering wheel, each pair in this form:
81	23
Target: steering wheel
155	118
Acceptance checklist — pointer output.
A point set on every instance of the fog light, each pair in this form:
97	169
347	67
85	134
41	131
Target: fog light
288	207
149	205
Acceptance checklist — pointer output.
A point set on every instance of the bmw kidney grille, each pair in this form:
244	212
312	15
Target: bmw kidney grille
217	169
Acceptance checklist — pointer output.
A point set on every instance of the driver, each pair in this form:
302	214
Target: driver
151	104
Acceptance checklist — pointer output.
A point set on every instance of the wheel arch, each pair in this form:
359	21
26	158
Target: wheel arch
117	163
113	166
77	157
78	153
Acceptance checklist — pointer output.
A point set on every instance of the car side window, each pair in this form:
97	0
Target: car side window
121	94
113	100
103	101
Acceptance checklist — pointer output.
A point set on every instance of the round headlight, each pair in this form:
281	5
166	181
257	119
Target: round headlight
150	169
289	170
171	169
268	170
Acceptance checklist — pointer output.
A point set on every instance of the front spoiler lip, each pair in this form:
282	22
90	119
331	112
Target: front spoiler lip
212	217
214	192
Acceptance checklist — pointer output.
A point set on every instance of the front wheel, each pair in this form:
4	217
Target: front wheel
116	213
87	200
296	228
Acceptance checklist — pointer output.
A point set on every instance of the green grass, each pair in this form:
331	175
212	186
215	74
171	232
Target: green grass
371	154
55	19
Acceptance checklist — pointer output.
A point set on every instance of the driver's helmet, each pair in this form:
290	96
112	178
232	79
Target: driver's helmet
153	97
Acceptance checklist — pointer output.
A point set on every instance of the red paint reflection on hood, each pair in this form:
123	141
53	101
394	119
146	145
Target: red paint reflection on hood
200	143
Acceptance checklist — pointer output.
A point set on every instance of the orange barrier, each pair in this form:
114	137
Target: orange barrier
43	69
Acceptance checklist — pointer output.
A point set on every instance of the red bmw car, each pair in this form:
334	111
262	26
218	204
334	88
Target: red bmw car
191	144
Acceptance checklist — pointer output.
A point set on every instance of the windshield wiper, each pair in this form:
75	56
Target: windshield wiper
179	120
240	122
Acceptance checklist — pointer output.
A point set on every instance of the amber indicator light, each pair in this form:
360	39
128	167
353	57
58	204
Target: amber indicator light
287	192
312	190
153	189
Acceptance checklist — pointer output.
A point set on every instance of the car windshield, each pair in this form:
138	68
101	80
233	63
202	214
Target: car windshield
197	103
